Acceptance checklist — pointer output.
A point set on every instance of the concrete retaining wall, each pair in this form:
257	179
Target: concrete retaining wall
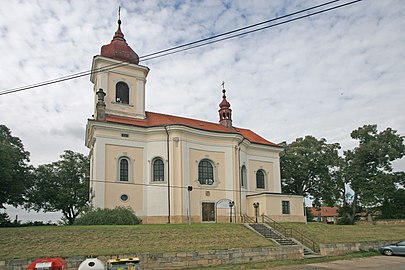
342	248
185	260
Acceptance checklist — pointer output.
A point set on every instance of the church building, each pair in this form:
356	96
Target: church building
172	169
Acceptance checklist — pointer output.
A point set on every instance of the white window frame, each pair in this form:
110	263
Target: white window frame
119	169
152	170
264	179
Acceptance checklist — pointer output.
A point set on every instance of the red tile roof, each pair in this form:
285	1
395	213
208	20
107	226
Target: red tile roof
325	211
118	48
157	119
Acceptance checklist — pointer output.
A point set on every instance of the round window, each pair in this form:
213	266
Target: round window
124	197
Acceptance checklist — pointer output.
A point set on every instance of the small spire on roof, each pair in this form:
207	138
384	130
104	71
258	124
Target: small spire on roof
225	113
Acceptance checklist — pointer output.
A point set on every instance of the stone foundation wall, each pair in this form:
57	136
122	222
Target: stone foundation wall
186	260
288	218
381	222
342	248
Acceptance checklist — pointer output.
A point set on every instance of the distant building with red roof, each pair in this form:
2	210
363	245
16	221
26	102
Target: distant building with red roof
325	214
172	169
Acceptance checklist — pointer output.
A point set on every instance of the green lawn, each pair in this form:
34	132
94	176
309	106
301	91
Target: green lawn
329	234
65	241
34	242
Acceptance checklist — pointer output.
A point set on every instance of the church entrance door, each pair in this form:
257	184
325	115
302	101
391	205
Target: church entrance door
208	211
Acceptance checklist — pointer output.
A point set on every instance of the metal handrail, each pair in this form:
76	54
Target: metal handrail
292	233
247	219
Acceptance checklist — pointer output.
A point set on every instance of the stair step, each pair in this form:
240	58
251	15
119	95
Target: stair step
271	234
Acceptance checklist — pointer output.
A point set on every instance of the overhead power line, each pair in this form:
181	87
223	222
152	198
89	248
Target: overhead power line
172	187
190	45
237	30
250	31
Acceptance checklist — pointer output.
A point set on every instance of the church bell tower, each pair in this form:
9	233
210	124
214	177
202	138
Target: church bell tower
117	73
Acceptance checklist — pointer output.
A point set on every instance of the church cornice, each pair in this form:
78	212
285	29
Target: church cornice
236	137
113	65
274	194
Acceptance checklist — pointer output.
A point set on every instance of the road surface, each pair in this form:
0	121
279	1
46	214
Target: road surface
372	263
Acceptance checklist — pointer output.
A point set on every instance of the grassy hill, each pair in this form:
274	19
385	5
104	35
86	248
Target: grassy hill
330	234
34	242
65	241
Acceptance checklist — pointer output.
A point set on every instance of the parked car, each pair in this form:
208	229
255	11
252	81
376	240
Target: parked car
397	248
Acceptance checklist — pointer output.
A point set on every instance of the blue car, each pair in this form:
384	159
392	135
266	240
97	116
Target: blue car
397	248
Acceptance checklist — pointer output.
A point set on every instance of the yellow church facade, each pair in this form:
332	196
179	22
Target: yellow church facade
172	169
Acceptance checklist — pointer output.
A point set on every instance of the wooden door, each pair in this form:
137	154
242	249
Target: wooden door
208	211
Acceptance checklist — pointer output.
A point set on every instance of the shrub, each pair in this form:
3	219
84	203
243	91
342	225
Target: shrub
116	216
345	221
4	220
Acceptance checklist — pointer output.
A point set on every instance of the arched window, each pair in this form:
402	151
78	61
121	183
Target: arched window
124	169
205	172
260	179
243	176
158	170
122	93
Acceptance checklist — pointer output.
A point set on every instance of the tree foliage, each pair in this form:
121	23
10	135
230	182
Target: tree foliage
311	167
61	186
14	170
363	178
368	167
394	206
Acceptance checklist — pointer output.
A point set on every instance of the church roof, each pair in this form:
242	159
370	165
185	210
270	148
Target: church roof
157	119
118	48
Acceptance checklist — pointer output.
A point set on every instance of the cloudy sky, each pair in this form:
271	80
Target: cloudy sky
325	75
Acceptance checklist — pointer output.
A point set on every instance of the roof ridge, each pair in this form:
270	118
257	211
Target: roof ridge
160	119
182	117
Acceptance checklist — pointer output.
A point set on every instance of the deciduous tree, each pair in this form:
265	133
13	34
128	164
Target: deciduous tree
394	205
368	167
14	168
61	186
311	167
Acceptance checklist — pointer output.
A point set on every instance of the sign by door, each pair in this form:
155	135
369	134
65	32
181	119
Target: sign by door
224	203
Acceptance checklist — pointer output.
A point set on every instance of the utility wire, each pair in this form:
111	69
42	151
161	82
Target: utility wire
64	78
237	30
252	31
164	185
178	49
85	73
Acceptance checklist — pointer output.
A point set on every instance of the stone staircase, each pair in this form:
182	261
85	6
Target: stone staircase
269	233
